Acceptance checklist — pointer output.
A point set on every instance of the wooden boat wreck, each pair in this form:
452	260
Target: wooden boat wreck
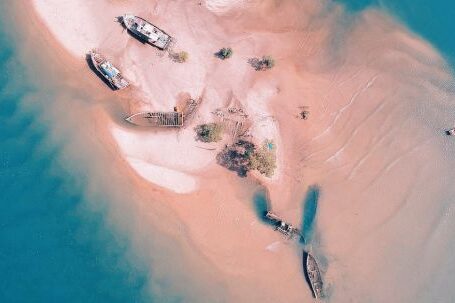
157	119
281	226
108	71
146	31
313	275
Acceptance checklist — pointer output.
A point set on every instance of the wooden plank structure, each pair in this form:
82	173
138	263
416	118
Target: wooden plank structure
157	119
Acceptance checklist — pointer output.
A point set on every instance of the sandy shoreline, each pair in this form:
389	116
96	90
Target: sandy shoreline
222	253
352	155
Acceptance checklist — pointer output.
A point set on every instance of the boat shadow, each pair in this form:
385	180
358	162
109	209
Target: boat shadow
96	72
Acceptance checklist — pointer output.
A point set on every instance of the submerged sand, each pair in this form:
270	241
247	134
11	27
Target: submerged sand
373	147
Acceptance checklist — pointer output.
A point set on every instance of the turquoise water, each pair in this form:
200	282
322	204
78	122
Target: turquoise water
432	20
310	207
52	248
261	205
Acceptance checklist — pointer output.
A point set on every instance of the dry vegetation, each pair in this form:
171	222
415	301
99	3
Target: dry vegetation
211	132
243	156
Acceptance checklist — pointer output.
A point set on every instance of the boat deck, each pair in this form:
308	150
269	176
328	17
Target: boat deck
108	70
147	31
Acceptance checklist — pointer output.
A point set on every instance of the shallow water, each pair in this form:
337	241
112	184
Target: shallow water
310	207
399	239
384	163
74	226
432	20
53	248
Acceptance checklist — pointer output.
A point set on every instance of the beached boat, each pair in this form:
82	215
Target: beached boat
314	275
281	226
157	119
108	71
146	31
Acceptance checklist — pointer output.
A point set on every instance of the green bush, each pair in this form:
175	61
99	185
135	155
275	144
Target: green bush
243	156
224	53
211	132
236	157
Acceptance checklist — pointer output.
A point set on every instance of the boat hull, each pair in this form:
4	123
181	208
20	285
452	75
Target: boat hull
313	275
115	81
146	31
157	119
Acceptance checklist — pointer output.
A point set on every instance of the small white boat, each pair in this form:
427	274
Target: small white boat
108	71
451	132
146	31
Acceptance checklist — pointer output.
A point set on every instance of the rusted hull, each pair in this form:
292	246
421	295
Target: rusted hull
313	275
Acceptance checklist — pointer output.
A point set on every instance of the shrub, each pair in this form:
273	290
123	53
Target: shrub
224	53
236	157
264	159
211	132
268	62
243	156
179	57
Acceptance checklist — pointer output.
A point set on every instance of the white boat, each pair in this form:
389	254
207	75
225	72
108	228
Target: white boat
108	71
146	31
451	132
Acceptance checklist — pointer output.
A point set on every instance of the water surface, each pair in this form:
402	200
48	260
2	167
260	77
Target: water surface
432	20
53	247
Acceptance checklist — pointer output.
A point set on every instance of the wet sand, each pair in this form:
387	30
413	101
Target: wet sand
379	100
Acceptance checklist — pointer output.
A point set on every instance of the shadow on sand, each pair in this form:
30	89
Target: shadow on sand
310	206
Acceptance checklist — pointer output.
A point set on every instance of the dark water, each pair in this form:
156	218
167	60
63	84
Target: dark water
52	247
432	20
